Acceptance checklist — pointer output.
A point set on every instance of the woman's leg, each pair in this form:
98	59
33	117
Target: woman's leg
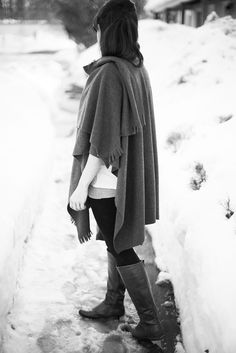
113	304
104	211
132	272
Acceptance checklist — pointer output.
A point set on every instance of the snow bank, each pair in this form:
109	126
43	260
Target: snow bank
25	37
26	138
193	77
194	94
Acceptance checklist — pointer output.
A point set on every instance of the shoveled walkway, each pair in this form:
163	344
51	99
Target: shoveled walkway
60	275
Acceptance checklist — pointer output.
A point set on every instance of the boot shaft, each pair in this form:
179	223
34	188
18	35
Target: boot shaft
115	284
138	286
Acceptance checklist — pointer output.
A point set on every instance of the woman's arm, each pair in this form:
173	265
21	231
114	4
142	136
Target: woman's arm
79	196
90	170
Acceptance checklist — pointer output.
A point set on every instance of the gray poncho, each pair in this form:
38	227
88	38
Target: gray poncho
116	123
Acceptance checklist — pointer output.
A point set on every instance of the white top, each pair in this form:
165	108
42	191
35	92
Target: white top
104	178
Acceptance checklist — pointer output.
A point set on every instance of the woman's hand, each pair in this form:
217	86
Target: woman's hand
77	202
79	197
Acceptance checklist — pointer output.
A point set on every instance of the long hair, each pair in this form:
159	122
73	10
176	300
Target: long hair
118	22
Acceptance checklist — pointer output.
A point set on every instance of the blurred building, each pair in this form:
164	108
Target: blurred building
26	9
189	12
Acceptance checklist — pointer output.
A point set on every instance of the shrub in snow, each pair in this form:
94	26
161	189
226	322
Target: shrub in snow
199	178
174	140
185	77
224	118
228	208
181	80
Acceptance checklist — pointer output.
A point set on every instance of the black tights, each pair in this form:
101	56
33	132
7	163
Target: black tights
104	211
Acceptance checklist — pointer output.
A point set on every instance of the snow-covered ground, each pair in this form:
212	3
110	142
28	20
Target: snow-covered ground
193	76
27	137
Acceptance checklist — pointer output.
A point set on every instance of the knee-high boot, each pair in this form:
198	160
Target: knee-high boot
138	286
113	304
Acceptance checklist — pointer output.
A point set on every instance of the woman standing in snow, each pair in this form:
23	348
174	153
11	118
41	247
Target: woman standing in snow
115	165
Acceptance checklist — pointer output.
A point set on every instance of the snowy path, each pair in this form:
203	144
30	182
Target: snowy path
194	69
59	276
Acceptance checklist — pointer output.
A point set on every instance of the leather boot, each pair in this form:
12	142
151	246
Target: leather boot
113	304
138	286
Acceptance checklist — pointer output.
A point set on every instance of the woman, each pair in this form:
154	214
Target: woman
115	166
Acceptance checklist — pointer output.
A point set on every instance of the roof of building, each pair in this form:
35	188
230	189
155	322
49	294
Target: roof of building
160	5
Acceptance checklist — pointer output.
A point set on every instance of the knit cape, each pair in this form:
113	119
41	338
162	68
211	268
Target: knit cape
116	123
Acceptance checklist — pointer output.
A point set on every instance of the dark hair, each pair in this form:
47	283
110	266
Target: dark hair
118	21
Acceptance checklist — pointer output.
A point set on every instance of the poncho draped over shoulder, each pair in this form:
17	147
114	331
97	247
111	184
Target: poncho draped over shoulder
116	123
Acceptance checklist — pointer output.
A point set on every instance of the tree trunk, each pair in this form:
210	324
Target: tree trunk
1	10
182	14
20	8
204	10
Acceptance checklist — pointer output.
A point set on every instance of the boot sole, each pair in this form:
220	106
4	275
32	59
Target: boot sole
128	328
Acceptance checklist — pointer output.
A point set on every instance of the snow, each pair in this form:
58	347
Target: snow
160	5
193	77
24	125
27	139
195	119
30	37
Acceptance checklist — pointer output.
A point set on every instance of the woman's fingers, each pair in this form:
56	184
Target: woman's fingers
73	205
77	206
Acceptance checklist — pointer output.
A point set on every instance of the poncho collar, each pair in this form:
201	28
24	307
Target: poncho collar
104	59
